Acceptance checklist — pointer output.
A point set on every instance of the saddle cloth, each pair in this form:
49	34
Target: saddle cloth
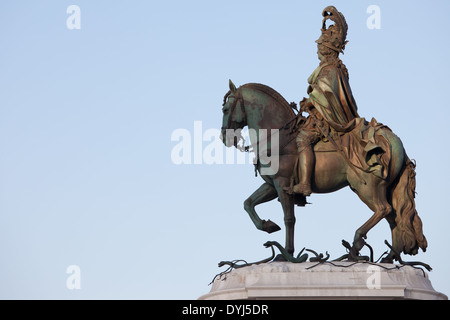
366	146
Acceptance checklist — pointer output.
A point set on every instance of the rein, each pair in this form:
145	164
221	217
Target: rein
269	135
238	98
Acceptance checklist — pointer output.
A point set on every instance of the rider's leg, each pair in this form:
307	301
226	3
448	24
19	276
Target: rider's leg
305	141
306	165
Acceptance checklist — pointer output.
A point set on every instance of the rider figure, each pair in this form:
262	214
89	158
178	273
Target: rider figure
331	106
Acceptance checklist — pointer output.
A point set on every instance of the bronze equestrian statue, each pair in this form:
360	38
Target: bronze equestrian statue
333	147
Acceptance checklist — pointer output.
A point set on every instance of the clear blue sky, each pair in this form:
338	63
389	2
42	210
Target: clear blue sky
86	117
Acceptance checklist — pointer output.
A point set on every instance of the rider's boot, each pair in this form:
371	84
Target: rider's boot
306	166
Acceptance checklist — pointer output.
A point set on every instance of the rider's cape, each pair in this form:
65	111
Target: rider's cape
364	144
367	147
330	93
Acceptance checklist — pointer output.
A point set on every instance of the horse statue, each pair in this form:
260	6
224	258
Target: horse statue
260	108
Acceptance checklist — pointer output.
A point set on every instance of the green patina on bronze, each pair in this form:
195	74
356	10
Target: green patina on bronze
333	147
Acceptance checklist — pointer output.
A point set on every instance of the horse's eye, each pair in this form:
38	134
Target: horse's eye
225	111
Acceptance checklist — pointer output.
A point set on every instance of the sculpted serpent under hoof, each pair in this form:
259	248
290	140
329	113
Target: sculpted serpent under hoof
285	256
299	259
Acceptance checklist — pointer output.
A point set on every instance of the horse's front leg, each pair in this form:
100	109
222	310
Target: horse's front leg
263	194
287	202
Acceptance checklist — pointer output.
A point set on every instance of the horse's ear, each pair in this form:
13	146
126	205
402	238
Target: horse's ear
232	86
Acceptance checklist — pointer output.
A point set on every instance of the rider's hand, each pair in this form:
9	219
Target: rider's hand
304	105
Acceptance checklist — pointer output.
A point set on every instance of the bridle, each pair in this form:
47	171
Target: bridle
237	98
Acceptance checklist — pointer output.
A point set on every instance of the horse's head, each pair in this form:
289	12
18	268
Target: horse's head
233	116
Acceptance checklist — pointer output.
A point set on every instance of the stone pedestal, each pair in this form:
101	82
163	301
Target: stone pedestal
336	280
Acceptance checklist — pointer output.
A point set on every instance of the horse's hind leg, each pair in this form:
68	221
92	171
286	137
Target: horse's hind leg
374	195
263	194
393	225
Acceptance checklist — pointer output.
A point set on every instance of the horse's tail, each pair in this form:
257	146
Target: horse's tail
407	236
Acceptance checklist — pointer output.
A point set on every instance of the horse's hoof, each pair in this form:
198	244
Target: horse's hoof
280	258
354	256
270	227
387	260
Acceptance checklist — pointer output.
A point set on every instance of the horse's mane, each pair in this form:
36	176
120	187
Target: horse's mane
272	93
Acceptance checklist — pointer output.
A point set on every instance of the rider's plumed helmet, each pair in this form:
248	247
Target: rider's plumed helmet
333	37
